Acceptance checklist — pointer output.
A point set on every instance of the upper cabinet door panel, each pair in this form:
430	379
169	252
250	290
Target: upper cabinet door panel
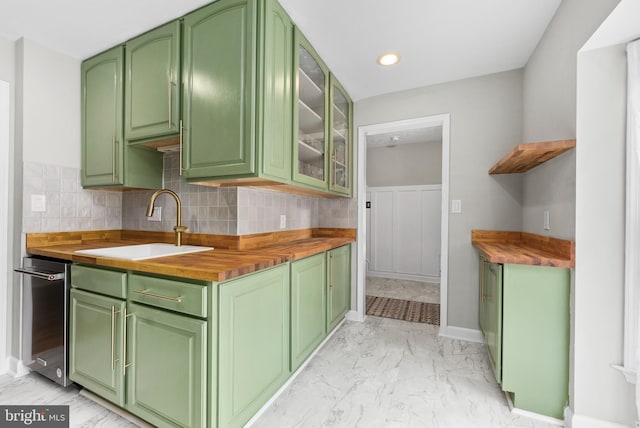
102	150
152	91
310	116
276	92
341	139
218	89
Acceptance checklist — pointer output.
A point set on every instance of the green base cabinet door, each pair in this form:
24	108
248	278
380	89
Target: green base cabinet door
308	307
166	367
95	354
152	83
338	285
492	304
253	343
535	337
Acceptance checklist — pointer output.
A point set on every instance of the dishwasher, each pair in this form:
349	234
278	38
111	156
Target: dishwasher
45	317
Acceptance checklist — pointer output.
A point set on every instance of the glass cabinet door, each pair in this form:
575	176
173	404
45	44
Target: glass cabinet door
311	117
340	139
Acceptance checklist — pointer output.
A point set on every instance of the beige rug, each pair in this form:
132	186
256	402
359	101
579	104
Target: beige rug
407	310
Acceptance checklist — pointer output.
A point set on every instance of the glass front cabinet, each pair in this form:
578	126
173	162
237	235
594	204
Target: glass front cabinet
310	116
341	138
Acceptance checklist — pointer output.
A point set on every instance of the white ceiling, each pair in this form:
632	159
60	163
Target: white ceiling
438	40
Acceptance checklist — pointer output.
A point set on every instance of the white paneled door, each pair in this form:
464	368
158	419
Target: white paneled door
405	232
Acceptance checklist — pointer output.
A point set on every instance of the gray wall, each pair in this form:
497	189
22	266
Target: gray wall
405	164
486	122
600	391
550	114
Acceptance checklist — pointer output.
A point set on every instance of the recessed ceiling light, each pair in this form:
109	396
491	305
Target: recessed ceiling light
389	58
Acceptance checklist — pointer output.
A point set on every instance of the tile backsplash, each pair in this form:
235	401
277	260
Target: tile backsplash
225	211
67	205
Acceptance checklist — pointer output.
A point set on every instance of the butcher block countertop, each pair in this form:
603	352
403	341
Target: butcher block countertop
232	256
523	248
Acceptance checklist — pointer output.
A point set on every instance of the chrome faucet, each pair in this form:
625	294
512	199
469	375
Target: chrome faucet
179	229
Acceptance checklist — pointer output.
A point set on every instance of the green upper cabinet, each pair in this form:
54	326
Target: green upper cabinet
102	136
310	115
338	284
275	86
152	84
341	138
219	71
237	92
106	161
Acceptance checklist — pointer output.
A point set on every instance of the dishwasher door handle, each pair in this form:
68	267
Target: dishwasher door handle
49	276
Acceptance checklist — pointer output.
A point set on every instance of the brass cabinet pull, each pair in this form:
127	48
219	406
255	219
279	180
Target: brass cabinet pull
124	343
159	296
171	84
114	360
181	132
331	268
113	159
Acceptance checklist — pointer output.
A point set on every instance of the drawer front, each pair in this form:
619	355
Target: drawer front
173	294
104	281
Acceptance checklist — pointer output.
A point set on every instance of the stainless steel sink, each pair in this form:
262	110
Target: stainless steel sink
143	251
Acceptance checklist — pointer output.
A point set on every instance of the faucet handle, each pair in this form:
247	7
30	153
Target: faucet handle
181	229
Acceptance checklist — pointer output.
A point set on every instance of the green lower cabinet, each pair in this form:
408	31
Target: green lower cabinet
524	317
166	367
308	307
338	284
253	357
492	304
96	344
535	337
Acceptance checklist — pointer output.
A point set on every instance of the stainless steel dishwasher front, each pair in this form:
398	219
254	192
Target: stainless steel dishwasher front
45	317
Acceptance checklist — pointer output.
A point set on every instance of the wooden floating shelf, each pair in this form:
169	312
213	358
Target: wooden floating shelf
524	157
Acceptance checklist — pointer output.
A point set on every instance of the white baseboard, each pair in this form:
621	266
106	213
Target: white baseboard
404	276
354	316
16	368
460	333
581	421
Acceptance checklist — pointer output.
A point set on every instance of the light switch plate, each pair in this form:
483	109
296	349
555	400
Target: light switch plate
283	221
38	203
546	220
456	206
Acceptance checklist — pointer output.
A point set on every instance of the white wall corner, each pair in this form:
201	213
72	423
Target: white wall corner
460	333
354	315
572	420
630	375
17	368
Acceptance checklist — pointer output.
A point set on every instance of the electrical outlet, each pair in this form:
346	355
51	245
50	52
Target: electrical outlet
38	203
546	220
283	221
157	214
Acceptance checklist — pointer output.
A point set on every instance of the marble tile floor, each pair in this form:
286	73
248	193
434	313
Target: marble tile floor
34	389
381	373
394	374
417	291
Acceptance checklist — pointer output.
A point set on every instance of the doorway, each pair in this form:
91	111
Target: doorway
4	223
392	259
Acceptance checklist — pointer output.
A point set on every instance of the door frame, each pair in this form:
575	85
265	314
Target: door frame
361	262
5	273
